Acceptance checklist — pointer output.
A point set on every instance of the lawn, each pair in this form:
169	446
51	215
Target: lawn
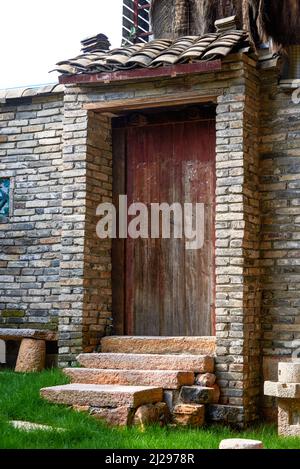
19	400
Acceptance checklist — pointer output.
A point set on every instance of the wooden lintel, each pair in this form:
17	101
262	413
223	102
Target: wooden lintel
131	104
142	74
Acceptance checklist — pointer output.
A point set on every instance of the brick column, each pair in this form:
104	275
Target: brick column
237	247
73	229
85	269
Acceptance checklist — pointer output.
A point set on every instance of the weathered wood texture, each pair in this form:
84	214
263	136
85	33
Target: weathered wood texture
118	245
169	290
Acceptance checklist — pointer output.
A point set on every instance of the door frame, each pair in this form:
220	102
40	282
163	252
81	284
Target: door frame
124	323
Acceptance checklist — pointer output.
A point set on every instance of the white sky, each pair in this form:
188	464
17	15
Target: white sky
35	34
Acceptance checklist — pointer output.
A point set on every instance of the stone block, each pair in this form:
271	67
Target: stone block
289	417
197	395
289	372
150	414
282	390
31	356
189	415
119	416
239	443
207	380
224	413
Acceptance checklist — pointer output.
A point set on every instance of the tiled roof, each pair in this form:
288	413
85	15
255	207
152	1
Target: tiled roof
26	92
100	41
159	52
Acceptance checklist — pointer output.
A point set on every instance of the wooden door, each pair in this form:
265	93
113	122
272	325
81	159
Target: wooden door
160	287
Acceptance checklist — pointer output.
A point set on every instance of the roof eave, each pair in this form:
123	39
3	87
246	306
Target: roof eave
143	73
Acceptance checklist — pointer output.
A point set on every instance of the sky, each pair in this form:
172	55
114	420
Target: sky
35	34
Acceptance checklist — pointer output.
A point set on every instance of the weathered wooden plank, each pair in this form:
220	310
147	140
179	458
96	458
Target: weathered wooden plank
118	245
121	105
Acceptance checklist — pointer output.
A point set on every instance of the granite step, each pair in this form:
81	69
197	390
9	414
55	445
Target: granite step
162	378
102	395
159	345
131	361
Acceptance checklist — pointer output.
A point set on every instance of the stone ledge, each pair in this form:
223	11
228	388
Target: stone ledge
19	334
282	390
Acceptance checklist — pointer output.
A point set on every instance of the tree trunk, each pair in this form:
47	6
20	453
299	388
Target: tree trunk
175	18
279	19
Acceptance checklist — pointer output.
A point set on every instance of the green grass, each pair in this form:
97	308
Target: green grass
19	400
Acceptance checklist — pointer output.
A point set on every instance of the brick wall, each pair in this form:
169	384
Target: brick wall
238	223
280	207
30	155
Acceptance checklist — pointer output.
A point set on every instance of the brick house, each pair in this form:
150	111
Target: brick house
101	133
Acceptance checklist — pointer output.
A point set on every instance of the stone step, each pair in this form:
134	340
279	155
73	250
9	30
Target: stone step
131	361
102	395
162	378
159	345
